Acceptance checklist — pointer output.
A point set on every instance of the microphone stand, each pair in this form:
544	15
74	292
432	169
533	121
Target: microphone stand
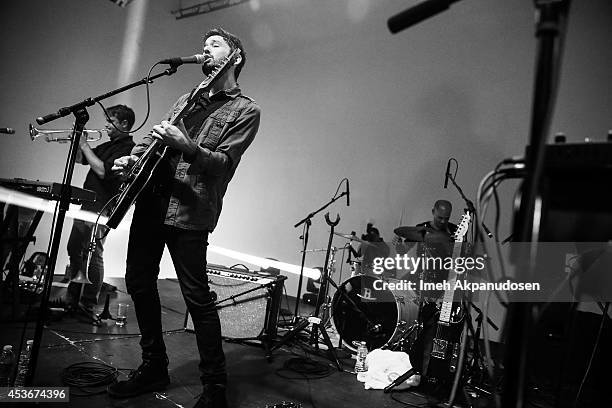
81	117
468	202
551	27
470	205
308	222
317	324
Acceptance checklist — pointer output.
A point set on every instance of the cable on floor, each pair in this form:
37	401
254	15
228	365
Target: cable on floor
87	377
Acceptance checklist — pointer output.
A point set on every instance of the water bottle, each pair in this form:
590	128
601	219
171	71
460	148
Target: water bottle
362	353
23	367
6	365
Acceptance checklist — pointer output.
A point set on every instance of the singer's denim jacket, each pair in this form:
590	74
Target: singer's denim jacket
195	192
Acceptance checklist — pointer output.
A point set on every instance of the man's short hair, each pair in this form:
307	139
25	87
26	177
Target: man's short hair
122	112
443	203
234	43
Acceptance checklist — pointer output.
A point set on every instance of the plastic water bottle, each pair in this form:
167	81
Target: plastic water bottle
23	367
7	359
362	353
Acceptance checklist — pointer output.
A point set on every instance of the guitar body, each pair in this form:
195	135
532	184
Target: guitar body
444	355
137	179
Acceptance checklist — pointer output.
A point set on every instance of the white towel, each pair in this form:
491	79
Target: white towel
384	366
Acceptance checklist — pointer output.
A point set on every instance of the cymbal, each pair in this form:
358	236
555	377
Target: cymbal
352	237
415	234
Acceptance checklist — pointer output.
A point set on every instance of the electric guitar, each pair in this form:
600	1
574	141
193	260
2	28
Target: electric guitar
142	171
445	348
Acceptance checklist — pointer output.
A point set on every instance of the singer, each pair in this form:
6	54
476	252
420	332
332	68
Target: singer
105	183
178	210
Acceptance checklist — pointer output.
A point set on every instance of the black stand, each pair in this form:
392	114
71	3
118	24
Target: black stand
13	247
550	31
106	314
314	318
469	204
81	117
308	222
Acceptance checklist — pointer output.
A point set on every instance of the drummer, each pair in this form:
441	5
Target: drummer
439	229
434	238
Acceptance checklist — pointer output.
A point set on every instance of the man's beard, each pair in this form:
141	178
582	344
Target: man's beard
208	68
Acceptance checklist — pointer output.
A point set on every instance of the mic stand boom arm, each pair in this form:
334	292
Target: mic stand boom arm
308	222
91	101
468	203
81	117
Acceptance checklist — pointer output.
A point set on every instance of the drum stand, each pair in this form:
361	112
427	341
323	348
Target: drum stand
418	325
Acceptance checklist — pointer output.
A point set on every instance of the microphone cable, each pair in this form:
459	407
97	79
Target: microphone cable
88	376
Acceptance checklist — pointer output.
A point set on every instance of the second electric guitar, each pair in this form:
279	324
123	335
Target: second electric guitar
444	353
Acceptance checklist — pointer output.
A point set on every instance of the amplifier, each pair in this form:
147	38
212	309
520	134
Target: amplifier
248	303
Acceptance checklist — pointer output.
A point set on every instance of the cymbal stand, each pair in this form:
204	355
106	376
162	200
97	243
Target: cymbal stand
326	302
418	325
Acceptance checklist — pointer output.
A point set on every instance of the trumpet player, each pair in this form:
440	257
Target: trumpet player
105	183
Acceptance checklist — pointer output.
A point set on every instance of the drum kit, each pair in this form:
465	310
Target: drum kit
365	309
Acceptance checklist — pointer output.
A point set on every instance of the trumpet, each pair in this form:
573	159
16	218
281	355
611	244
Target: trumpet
93	135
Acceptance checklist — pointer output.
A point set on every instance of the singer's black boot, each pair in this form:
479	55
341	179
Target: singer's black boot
152	375
213	396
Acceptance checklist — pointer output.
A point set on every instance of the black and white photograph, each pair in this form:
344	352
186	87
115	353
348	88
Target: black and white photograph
306	203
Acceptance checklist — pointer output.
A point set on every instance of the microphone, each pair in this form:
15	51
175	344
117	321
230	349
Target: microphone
348	194
447	174
399	380
194	59
7	131
416	14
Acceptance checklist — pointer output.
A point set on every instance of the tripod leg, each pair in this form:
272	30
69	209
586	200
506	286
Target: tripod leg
330	347
291	334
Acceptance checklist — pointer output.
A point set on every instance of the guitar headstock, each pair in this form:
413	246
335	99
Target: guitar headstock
462	227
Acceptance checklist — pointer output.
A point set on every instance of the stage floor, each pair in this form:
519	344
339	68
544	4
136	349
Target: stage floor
253	380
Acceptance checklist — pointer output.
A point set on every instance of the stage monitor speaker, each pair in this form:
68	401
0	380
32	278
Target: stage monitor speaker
248	303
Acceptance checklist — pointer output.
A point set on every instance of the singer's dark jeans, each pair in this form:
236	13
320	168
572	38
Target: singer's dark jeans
148	236
78	242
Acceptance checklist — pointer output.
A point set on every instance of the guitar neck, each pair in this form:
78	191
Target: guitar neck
447	303
204	86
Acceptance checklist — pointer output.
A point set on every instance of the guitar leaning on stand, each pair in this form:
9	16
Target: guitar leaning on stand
142	171
445	349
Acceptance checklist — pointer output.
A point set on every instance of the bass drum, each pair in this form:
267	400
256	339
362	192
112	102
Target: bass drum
378	317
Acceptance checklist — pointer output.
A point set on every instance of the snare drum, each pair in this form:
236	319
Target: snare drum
380	317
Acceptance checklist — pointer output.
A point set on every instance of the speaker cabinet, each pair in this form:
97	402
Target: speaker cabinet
248	303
